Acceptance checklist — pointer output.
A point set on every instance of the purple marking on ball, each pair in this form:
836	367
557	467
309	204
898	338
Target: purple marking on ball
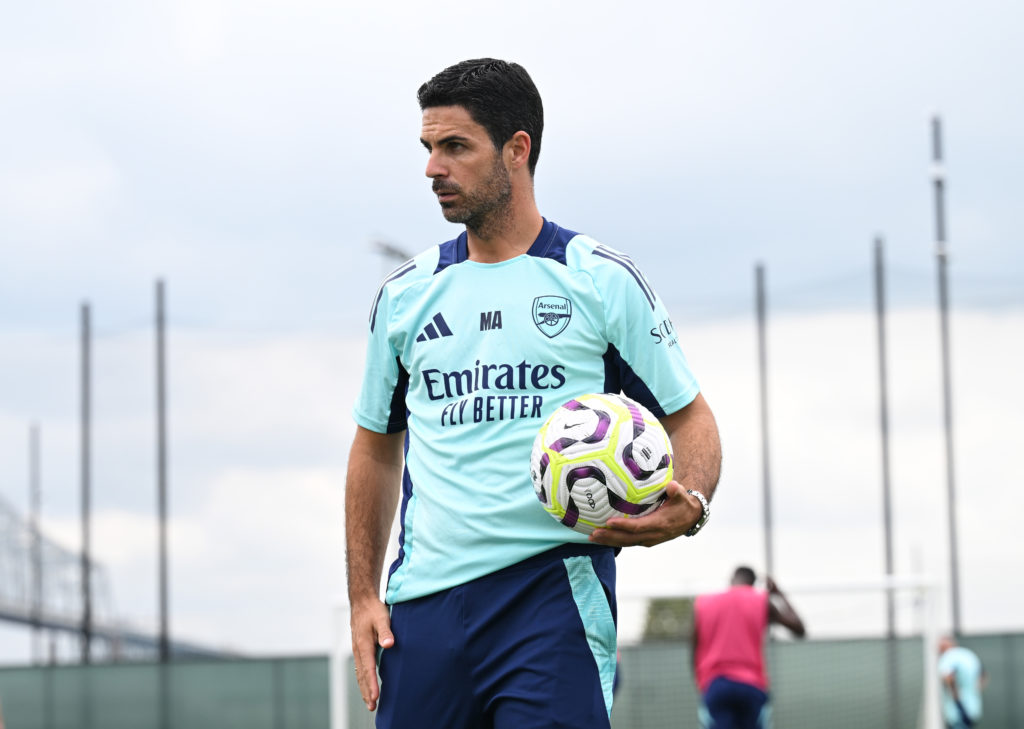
574	405
582	472
628	507
630	463
604	421
561	443
638	420
572	514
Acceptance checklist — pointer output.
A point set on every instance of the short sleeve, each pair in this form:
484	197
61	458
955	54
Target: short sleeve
380	406
644	359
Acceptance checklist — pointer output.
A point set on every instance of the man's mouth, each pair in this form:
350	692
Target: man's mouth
445	193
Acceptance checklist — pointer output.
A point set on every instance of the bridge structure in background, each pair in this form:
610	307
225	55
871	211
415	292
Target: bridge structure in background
41	589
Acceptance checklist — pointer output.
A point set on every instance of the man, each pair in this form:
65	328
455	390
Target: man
729	630
963	678
496	615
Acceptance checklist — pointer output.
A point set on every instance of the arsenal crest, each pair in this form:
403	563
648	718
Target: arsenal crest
551	314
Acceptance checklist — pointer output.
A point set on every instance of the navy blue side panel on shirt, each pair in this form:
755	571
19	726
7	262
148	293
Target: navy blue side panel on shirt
619	376
398	420
406	498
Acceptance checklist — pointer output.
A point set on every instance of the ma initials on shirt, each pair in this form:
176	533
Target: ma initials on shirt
490	320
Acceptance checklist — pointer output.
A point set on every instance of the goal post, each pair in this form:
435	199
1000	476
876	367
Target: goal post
341	659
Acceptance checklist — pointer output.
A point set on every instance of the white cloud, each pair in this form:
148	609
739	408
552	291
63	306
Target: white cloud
58	197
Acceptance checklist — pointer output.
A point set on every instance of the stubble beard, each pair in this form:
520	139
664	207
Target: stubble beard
486	210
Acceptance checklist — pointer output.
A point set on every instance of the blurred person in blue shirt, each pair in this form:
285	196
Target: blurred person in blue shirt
963	679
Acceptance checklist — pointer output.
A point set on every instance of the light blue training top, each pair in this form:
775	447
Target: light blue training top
965	665
470	358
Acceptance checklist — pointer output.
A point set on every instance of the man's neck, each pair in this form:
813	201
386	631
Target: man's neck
510	236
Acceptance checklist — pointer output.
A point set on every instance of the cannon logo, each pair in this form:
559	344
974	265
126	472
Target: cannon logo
551	314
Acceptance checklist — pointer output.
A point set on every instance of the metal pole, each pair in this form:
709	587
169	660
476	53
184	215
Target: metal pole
85	484
892	648
884	423
37	551
763	367
942	259
161	468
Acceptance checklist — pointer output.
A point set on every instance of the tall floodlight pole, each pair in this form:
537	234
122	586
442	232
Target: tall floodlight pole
883	410
762	368
86	628
37	552
892	663
942	260
161	468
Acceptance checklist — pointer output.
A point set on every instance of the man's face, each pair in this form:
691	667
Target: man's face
471	181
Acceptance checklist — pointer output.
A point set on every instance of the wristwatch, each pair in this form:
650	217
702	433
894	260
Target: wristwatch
704	514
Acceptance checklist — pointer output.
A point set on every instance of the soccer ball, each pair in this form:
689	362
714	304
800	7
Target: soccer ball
600	456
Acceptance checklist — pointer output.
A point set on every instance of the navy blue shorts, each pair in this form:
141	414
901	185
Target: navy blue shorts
733	705
531	646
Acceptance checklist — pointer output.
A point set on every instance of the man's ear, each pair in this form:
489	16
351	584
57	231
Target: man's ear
517	150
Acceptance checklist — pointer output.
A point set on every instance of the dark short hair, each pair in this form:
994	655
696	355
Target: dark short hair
500	96
744	575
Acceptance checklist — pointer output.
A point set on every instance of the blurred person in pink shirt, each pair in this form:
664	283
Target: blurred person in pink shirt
729	630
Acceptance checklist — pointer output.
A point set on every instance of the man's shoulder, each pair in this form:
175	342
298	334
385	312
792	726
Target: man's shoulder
712	598
957	657
734	595
422	265
967	657
603	262
400	279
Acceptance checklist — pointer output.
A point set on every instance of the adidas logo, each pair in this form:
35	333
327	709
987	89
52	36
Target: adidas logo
432	332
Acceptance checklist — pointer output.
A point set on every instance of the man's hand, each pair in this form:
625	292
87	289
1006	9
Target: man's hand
371	626
674	517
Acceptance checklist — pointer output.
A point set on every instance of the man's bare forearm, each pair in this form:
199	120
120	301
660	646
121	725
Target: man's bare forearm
371	495
696	448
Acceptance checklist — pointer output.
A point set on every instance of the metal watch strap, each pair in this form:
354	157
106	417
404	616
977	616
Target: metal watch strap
706	512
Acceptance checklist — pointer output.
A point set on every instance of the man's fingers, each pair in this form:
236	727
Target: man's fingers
664	523
366	677
626	533
372	627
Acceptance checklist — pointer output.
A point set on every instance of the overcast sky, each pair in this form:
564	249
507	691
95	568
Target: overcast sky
249	153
